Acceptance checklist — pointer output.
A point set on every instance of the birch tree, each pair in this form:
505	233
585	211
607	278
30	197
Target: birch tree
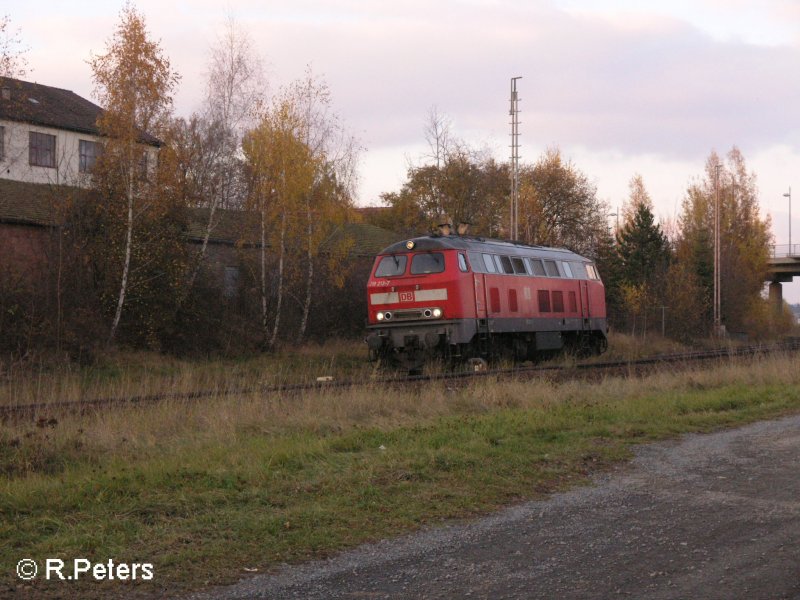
334	154
134	81
234	89
282	172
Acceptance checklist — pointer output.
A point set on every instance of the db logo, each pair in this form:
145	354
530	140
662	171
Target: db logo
406	296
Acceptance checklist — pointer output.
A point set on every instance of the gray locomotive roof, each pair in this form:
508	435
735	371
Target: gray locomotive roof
477	244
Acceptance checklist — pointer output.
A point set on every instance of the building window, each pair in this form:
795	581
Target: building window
143	166
88	154
230	285
42	150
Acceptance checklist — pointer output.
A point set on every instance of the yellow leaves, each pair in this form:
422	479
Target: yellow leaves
634	297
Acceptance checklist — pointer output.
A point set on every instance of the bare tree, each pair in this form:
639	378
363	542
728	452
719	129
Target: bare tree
235	88
12	52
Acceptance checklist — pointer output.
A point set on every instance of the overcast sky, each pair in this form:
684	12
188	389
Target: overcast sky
621	87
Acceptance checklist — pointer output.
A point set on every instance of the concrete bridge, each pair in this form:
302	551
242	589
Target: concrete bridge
784	264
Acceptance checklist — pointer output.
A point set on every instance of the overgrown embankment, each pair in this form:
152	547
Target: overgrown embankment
208	492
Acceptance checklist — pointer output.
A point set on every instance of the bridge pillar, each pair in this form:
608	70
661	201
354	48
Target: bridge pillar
776	296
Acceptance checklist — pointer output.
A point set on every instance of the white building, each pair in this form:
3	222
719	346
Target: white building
49	135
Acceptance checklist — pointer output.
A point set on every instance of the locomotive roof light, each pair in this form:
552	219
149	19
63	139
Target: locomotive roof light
410	244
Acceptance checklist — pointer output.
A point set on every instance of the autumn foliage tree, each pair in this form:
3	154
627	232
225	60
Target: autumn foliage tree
558	206
453	179
744	241
301	165
281	173
134	82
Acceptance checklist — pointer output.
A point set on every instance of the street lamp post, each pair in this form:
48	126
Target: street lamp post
789	196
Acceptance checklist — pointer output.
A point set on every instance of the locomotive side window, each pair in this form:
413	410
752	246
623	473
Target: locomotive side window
544	301
430	262
476	262
488	262
391	266
505	265
519	266
567	270
537	267
578	270
497	265
552	268
462	263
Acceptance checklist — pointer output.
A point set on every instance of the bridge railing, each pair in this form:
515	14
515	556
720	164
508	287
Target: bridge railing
785	250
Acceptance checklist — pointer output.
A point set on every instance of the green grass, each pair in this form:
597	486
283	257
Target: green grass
207	491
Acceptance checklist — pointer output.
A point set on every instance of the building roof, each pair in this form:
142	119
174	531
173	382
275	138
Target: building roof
47	106
33	204
40	205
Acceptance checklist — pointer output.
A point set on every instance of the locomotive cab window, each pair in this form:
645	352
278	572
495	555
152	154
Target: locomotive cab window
391	266
430	262
592	271
462	263
567	270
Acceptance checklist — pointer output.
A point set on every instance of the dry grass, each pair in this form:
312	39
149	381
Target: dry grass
203	488
127	374
137	431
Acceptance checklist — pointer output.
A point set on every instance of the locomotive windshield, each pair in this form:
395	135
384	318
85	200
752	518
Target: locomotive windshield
431	262
391	266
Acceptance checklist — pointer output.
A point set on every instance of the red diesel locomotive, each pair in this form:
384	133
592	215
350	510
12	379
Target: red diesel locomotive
463	298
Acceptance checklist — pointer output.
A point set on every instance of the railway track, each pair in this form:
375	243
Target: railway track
558	372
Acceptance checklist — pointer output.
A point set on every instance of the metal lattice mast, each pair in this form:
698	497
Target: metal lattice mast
717	255
514	112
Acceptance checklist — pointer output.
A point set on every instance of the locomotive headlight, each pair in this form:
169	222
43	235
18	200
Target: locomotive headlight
379	316
437	313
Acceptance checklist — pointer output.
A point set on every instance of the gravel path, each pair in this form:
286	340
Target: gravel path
707	516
